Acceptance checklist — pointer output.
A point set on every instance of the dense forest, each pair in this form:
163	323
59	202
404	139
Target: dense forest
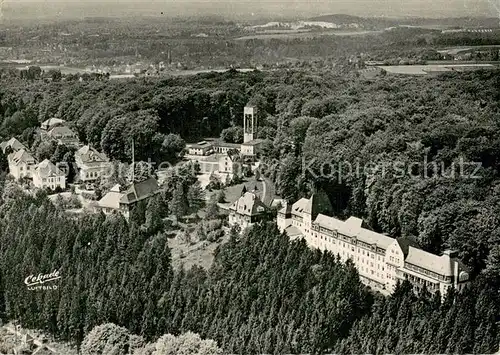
265	294
427	147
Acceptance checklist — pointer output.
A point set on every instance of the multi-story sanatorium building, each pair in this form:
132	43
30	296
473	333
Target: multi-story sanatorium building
381	260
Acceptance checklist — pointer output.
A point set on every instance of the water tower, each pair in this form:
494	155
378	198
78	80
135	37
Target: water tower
249	123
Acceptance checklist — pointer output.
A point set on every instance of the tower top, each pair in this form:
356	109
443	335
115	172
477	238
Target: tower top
250	109
249	123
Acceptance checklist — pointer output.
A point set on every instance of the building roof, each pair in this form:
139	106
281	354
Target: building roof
371	237
61	130
249	205
51	122
87	154
299	206
226	145
43	350
286	209
406	243
47	169
318	203
13	143
21	156
331	223
353	227
140	191
233	154
439	264
201	144
112	198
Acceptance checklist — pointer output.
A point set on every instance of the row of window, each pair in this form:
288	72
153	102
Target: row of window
92	174
52	180
418	280
360	250
369	269
394	259
368	262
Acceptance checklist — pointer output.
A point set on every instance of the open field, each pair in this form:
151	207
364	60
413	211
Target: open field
304	35
436	68
200	253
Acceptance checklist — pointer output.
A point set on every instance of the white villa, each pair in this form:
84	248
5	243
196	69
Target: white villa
247	210
21	164
47	175
228	163
91	163
381	260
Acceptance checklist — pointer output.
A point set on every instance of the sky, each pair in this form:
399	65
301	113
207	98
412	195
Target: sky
242	8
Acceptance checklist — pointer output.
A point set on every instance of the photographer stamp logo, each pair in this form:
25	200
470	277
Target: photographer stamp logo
43	282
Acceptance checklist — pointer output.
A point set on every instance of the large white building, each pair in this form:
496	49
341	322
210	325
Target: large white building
21	164
47	175
91	164
247	210
380	260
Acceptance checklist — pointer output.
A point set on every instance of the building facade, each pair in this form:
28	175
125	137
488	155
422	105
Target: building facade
228	163
201	148
91	163
47	175
137	192
380	260
223	147
21	164
110	202
247	210
251	148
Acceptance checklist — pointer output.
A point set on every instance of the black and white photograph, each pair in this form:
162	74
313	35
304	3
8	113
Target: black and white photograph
219	177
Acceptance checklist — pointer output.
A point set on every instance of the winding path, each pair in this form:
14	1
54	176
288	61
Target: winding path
268	191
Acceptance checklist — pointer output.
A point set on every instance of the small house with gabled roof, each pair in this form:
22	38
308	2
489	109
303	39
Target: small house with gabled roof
247	210
47	175
21	164
136	192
